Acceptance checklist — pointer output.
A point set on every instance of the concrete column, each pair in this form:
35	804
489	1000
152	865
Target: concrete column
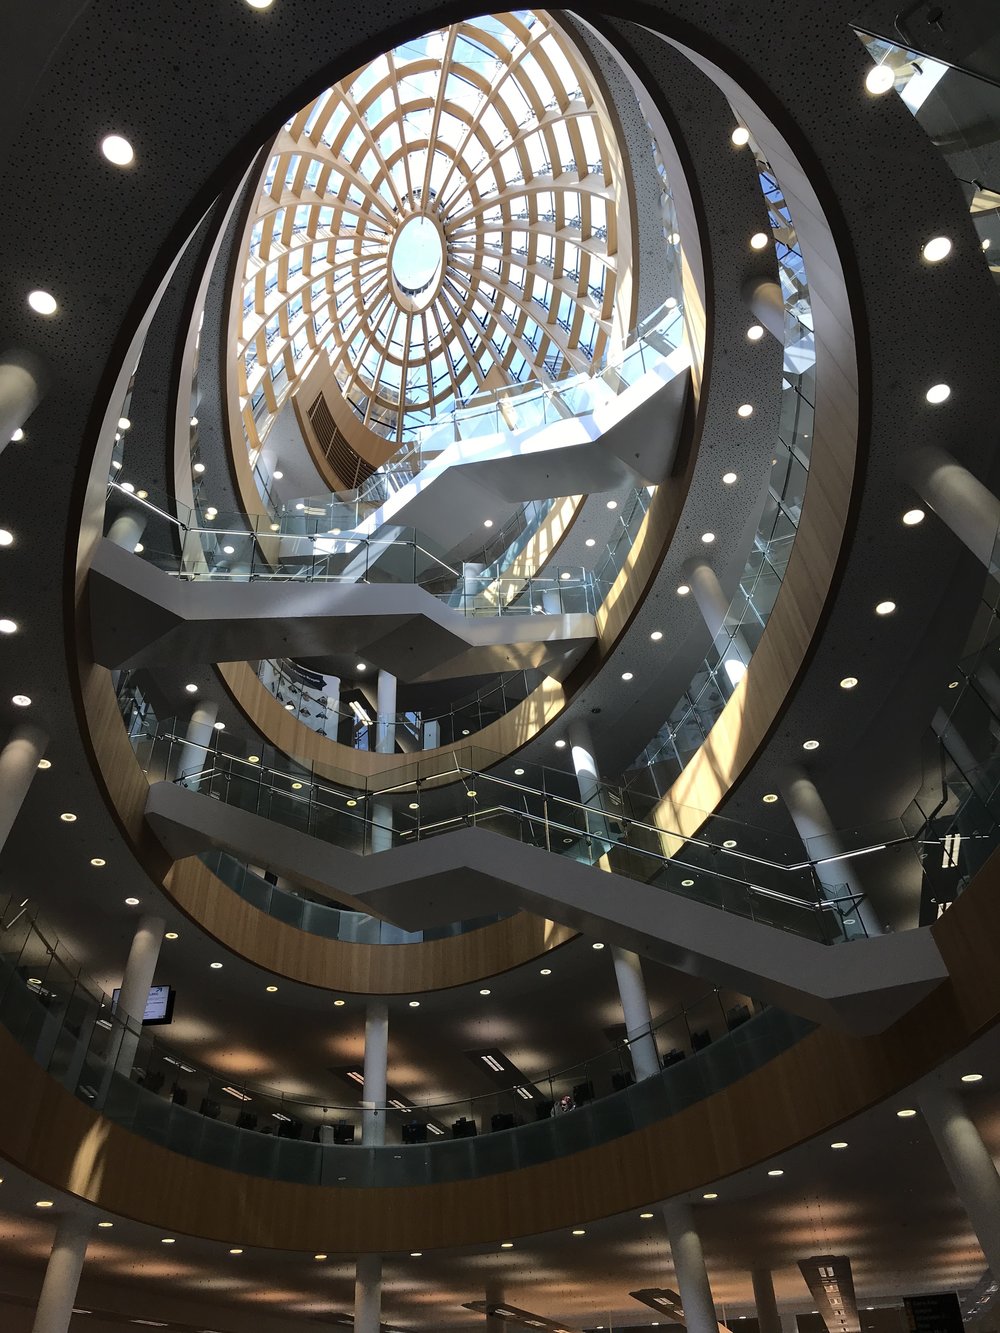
635	1007
812	820
20	392
628	965
768	1319
969	1165
127	529
62	1275
368	1293
689	1265
385	735
959	499
376	1066
714	607
18	765
765	299
136	981
198	738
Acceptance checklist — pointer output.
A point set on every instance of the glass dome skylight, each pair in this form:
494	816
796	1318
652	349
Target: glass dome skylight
439	225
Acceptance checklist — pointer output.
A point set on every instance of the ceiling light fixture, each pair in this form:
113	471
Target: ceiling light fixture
776	1171
236	1251
487	523
913	516
104	1225
683	590
840	1143
884	608
879	79
626	675
117	150
936	249
44	1203
319	1256
8	626
755	332
646	1216
938	393
18	436
215	966
131	902
253	758
219	726
810	745
972	1078
708	538
740	136
506	1245
414	1004
710	1195
98	861
770	798
849	682
68	817
20	700
728	478
656	635
579	1232
560	744
42	303
339	1004
906	1113
758	240
6	537
545	972
170	935
270	989
261	4
45	763
745	410
199	468
597	945
485	991
167	1240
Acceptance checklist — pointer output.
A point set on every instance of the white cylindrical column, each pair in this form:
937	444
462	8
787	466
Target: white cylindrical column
635	1007
376	1070
959	499
127	529
140	968
969	1164
18	765
471	585
385	735
332	725
628	965
812	821
714	608
765	299
689	1265
768	1319
20	392
198	738
431	734
368	1293
62	1275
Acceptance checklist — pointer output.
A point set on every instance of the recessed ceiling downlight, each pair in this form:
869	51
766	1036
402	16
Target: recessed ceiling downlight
740	136
755	332
938	393
879	79
117	149
913	516
20	700
936	249
42	303
884	608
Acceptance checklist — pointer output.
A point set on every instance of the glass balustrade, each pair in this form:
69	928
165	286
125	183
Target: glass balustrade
140	1080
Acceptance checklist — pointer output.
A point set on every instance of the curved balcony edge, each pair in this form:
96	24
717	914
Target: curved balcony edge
823	1079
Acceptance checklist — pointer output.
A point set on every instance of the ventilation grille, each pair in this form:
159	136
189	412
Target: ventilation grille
352	470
